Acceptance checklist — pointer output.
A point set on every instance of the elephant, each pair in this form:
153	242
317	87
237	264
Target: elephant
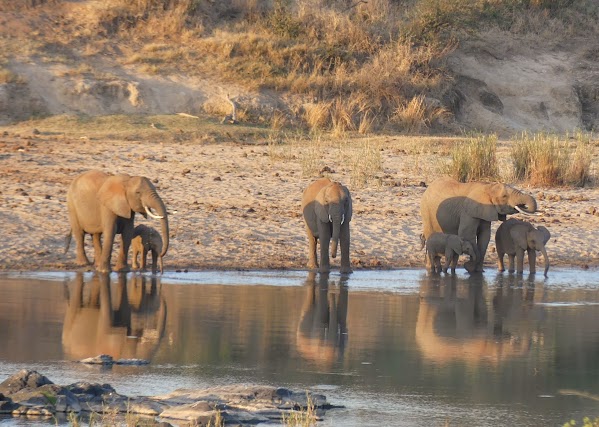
104	205
327	210
467	209
513	237
450	245
125	320
146	239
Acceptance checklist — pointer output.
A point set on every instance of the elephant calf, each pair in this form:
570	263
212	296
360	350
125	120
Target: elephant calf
449	245
513	237
146	239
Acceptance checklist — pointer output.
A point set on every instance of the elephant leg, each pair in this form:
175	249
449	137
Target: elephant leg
126	237
454	262
519	260
134	257
312	260
437	268
483	238
144	259
154	261
108	233
532	261
430	262
97	239
500	266
324	233
511	263
345	242
79	236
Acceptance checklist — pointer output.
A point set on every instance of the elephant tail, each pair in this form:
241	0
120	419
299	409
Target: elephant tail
68	240
422	241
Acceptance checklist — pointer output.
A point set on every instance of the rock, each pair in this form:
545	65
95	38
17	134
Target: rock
132	362
30	394
23	379
102	359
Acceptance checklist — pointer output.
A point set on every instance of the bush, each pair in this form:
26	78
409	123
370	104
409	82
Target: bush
547	160
474	158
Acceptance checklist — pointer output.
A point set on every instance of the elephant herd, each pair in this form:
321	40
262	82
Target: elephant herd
456	219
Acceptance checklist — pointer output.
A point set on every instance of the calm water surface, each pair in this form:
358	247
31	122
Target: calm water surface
400	348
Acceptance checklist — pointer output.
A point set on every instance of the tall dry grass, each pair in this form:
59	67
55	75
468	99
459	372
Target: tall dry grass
549	160
473	159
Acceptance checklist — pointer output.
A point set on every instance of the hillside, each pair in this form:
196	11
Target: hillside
378	66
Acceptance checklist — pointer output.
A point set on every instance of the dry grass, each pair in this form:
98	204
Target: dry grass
303	418
548	160
365	162
364	66
474	159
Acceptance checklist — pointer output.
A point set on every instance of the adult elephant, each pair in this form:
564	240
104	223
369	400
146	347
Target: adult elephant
327	210
104	205
467	209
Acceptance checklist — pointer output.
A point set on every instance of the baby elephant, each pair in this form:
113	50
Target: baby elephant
513	237
450	245
146	239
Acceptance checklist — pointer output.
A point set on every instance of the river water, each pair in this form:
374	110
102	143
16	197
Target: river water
396	348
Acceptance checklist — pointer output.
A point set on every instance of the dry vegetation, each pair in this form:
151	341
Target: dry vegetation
358	66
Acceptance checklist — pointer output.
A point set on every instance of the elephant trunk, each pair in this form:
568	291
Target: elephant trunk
155	203
546	258
524	203
336	220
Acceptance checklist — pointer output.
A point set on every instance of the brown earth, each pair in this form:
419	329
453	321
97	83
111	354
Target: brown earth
236	205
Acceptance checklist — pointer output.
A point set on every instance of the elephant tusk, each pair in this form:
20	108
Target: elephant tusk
151	214
524	212
342	219
330	219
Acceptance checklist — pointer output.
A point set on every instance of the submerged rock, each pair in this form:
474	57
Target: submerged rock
106	360
32	394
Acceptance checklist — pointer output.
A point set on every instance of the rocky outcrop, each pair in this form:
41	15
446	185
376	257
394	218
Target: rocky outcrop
32	394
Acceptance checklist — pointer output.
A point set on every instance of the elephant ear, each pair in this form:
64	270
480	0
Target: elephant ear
455	243
479	202
348	204
320	206
519	236
112	195
546	234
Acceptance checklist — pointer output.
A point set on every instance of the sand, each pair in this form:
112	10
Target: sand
237	205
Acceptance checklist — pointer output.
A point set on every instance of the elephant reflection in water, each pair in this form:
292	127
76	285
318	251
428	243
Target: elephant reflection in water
127	324
454	323
322	329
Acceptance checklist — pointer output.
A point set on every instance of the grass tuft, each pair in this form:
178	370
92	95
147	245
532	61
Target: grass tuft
548	160
474	159
303	418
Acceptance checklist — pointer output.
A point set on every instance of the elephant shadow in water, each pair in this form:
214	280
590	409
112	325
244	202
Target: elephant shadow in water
125	320
321	333
454	323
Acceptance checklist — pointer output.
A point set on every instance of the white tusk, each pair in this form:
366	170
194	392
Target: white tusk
342	219
524	212
151	214
330	219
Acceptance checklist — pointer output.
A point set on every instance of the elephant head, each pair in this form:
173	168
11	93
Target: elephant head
533	238
123	194
492	202
333	204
